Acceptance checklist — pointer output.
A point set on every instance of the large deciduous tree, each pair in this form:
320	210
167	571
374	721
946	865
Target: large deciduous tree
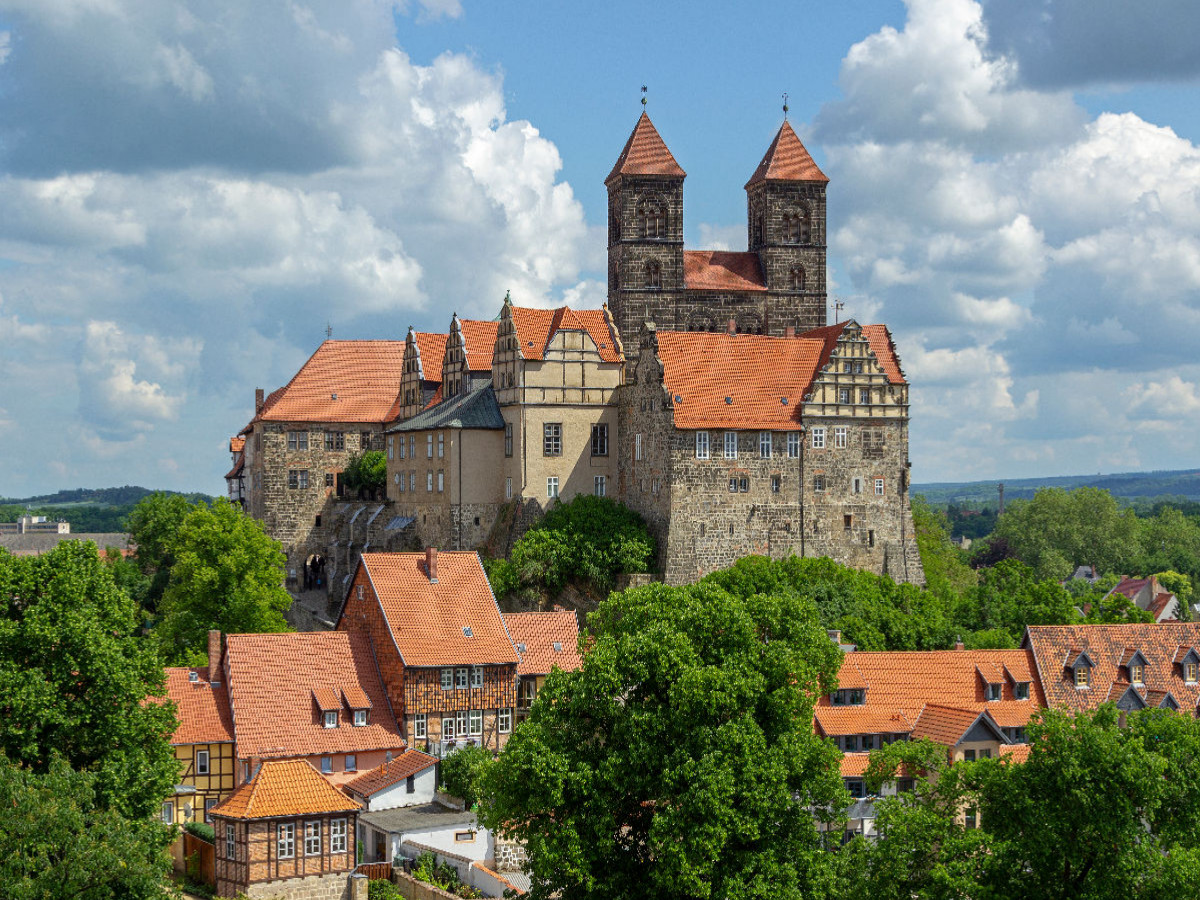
680	761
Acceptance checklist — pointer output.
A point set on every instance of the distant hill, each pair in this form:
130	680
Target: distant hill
1183	484
89	510
115	496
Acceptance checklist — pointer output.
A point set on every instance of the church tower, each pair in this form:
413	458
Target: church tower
645	232
785	202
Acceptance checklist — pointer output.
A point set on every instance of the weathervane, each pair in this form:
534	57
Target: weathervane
328	330
644	89
838	305
785	106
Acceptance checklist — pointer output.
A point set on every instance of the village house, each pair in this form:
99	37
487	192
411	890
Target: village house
545	641
1148	594
449	665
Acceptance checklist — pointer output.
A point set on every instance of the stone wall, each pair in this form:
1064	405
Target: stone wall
313	887
510	855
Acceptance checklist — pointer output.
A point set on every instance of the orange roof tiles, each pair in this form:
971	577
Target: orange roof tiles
355	697
203	710
1018	753
854	765
722	270
427	619
410	762
787	159
1164	645
645	153
284	788
344	381
237	444
837	720
536	327
756	373
327	699
880	341
431	348
479	339
538	632
273	679
946	725
850	677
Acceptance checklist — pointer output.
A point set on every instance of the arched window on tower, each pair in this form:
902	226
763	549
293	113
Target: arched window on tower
653	276
796	226
796	279
653	220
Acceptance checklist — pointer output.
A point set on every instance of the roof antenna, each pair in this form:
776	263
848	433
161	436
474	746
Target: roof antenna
644	89
785	106
328	330
838	305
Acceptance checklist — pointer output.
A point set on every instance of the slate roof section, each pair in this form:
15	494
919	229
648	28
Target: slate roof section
1161	644
475	409
202	710
371	782
538	632
272	682
426	618
285	788
536	327
722	270
787	159
645	153
343	381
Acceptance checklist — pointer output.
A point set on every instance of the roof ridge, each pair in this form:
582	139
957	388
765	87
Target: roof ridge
787	159
645	153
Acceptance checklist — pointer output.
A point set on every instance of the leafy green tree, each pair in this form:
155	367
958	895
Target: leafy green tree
153	527
366	473
946	573
227	574
58	841
680	761
463	771
1170	542
1008	597
75	677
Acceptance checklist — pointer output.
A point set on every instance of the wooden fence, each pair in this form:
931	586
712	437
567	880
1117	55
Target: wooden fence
373	871
200	857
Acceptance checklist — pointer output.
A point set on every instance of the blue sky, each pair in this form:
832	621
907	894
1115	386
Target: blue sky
191	189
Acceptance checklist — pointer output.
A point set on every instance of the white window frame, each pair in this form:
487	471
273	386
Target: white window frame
504	720
818	438
391	448
168	812
552	487
441	445
879	487
476	676
203	762
600	485
764	445
441	481
462	724
637	447
420	726
508	488
701	445
864	396
447	679
845	395
476	723
230	841
285	840
461	678
412	481
793	445
841	437
731	443
447	728
429	482
338	833
429	446
312	837
330	718
401	454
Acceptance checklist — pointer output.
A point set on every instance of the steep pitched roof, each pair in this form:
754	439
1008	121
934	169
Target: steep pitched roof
431	346
787	160
285	787
722	270
948	725
371	782
273	679
537	633
880	341
1161	644
479	339
475	409
645	153
427	619
344	381
202	710
536	327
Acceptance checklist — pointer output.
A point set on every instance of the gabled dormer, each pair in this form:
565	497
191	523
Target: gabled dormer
858	373
1079	666
422	374
852	687
328	706
359	705
991	678
1019	682
1132	665
1187	664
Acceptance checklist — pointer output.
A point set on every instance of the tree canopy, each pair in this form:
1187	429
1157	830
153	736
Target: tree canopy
680	761
366	473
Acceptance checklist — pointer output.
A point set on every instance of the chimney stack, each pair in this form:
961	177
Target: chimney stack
214	657
733	326
431	564
835	635
959	645
790	331
258	400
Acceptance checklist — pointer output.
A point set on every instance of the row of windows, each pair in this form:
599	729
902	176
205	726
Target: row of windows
464	723
872	438
331	718
552	439
410	483
820	483
286	839
396	447
334	440
462	677
765	445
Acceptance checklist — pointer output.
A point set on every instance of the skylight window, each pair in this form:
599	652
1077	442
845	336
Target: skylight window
467	631
520	648
558	646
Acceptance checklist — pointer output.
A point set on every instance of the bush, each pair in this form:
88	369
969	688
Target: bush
202	830
462	770
378	889
366	473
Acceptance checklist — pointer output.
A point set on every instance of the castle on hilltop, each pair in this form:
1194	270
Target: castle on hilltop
709	394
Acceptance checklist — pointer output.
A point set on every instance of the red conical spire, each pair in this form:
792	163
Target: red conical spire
645	154
787	160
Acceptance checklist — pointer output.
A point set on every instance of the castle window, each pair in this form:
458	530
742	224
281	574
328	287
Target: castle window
441	444
552	487
600	439
653	276
776	483
744	486
796	279
552	439
847	522
402	454
764	444
878	487
412	481
508	438
796	227
731	445
297	440
391	448
864	395
297	478
733	485
365	440
793	445
601	486
818	438
652	220
429	482
843	395
637	446
819	483
856	486
441	480
335	440
508	488
429	446
401	481
701	445
871	537
840	435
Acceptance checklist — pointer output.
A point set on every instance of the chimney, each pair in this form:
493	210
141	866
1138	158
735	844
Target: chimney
214	657
835	635
733	326
959	645
431	564
258	400
790	331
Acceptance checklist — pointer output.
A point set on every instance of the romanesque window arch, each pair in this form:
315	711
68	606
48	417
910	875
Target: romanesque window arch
653	280
797	226
701	322
652	220
796	279
749	323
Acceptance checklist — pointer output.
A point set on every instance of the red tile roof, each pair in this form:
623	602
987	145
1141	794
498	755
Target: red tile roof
1159	604
371	782
645	153
273	679
203	710
722	270
837	720
538	632
237	444
854	765
946	725
363	375
880	342
479	338
238	468
536	327
1164	646
431	347
787	160
427	619
1129	587
282	788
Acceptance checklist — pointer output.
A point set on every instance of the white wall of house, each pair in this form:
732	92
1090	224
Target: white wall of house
481	849
424	785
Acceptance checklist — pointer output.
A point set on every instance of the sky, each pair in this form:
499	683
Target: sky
192	191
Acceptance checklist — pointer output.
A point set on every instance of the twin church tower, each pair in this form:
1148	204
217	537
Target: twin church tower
776	287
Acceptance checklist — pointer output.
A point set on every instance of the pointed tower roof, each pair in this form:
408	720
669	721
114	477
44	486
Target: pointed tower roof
645	154
787	160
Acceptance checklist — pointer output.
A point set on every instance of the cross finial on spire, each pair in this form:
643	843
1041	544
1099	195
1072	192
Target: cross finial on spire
328	330
644	89
785	106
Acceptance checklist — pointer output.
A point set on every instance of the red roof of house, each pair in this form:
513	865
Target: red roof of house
279	684
645	153
479	338
787	160
427	619
722	270
431	348
237	444
203	710
538	633
1159	604
536	327
371	782
946	725
238	468
1164	646
285	787
344	381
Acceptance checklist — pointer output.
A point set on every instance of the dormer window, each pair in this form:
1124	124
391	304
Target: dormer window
1191	672
1021	690
993	692
558	646
360	717
1083	676
520	648
848	697
1137	673
331	719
